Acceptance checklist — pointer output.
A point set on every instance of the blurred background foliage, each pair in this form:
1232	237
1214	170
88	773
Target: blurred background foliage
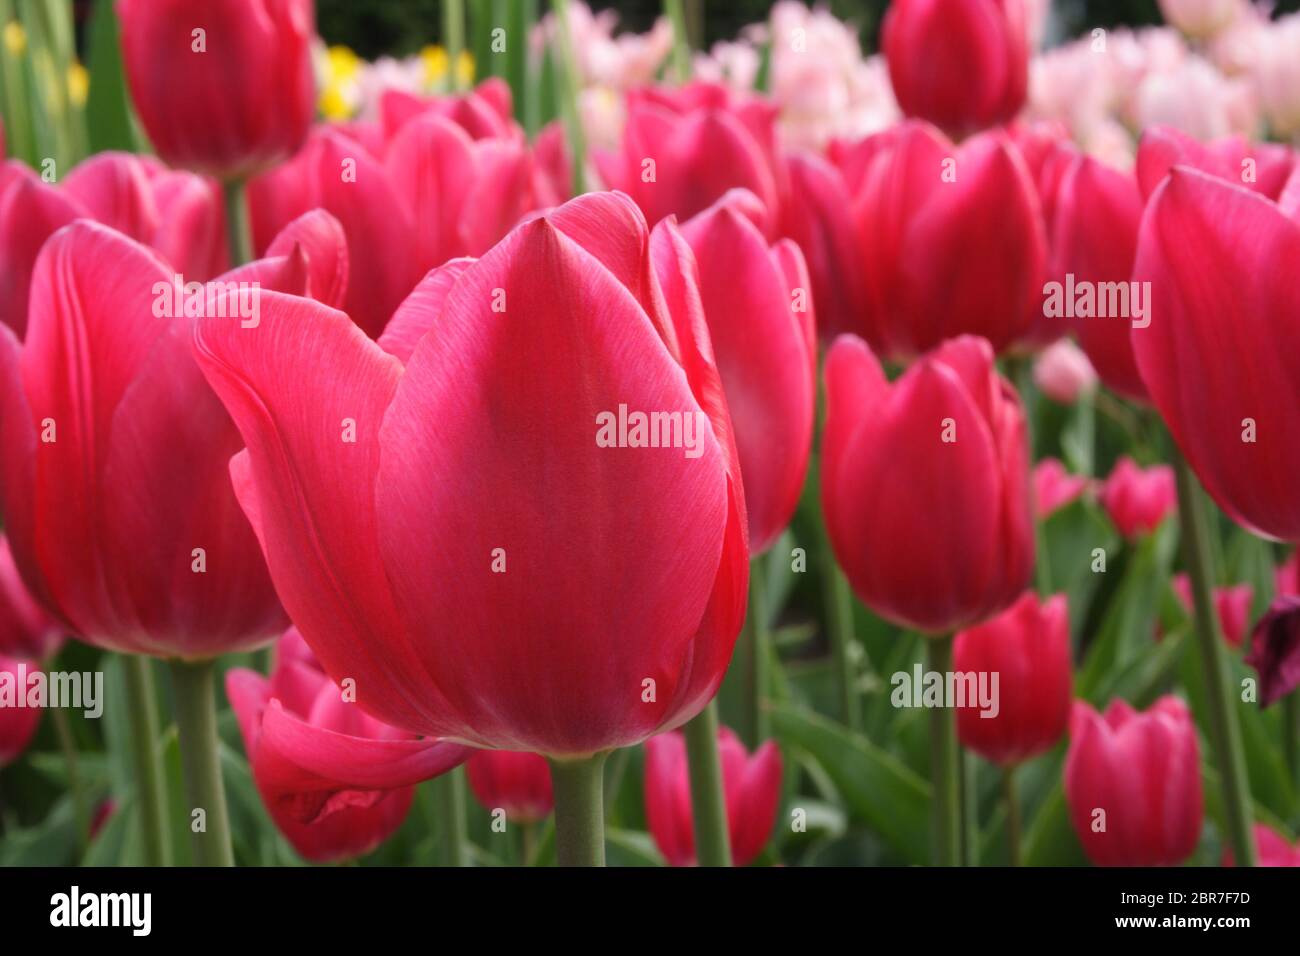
374	27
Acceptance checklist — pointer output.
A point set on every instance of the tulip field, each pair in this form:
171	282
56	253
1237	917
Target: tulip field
557	436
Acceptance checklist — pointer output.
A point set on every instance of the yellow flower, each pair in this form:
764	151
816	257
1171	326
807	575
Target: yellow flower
465	70
15	37
334	104
435	64
341	62
78	84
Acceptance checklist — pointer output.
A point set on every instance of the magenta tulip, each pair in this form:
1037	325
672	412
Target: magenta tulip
17	723
1275	650
1054	487
1133	783
224	87
751	788
1232	605
517	783
758	305
1138	499
925	484
596	566
26	630
1273	849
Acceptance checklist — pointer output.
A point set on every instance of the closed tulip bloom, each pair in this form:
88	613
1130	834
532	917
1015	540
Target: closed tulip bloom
1220	260
952	240
1287	576
17	724
337	174
1063	373
751	789
1263	168
945	446
1138	499
1133	783
1054	487
598	571
1028	647
1271	847
961	64
26	629
485	112
336	781
114	451
758	305
1232	604
1275	650
683	150
518	783
224	87
1094	239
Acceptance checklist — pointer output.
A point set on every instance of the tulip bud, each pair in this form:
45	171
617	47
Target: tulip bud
224	87
1138	499
518	783
945	447
759	309
751	788
336	781
1054	487
952	239
1232	604
1028	647
1063	373
1133	783
962	65
1271	849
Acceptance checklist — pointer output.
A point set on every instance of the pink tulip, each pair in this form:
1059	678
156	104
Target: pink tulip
26	629
1287	576
1054	487
336	781
1219	260
925	484
337	174
564	562
1138	499
751	787
1201	18
952	239
1063	373
224	87
1271	847
1232	604
683	149
485	112
1263	168
17	724
758	305
114	451
961	65
1275	650
518	783
1133	783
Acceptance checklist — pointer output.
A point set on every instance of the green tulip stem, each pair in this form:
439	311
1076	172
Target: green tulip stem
945	764
449	803
708	801
1013	814
150	789
239	230
195	699
578	786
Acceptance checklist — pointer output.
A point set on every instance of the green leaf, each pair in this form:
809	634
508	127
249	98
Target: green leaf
109	122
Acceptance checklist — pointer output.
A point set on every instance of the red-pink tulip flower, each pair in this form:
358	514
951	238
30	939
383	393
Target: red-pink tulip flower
1271	847
114	451
1138	499
952	239
1287	576
961	64
1094	240
817	214
336	781
485	112
572	545
1133	783
17	723
946	447
1275	650
1028	648
1054	487
1260	167
1063	373
1232	604
335	173
1220	260
177	213
462	194
224	86
758	305
751	786
518	783
682	150
26	629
